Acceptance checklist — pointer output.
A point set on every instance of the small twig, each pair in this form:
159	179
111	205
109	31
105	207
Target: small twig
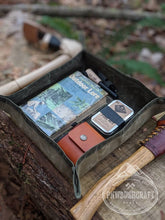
88	11
25	155
135	39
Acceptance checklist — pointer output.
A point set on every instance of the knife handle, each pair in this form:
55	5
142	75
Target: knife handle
153	146
88	205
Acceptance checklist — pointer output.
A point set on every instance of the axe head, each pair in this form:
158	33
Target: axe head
33	32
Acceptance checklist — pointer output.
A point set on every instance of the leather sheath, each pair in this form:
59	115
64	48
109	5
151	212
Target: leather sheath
156	144
79	140
161	122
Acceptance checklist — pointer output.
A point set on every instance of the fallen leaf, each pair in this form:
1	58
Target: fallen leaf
153	58
119	47
102	23
156	58
151	6
160	40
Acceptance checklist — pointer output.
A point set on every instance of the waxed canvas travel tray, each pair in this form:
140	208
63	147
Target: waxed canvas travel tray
144	103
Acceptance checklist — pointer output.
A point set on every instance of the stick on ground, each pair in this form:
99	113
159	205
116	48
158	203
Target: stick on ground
93	12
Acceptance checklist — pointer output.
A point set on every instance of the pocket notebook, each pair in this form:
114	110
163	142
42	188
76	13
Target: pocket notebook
79	140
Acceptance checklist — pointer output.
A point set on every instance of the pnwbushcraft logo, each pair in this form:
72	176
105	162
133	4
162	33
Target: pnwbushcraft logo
136	195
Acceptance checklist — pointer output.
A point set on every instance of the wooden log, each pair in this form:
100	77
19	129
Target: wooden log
49	190
88	11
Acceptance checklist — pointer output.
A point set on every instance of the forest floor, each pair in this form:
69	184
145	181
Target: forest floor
136	48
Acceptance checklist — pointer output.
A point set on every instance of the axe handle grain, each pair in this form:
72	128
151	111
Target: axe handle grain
158	116
88	205
23	81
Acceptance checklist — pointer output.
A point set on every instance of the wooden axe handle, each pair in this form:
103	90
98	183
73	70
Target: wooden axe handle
158	116
88	205
69	47
23	81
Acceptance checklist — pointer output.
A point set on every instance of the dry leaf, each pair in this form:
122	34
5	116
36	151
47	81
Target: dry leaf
160	40
151	5
119	47
153	58
102	23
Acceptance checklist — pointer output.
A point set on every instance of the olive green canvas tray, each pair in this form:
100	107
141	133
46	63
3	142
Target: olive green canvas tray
144	103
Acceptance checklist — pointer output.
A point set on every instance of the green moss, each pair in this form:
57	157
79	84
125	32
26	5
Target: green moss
26	181
20	167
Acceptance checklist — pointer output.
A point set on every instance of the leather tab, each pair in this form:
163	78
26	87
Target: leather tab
156	144
70	149
92	136
79	140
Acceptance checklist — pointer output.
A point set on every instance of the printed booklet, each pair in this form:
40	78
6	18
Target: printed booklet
64	103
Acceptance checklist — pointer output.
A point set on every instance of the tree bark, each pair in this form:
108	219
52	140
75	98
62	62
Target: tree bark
51	192
88	11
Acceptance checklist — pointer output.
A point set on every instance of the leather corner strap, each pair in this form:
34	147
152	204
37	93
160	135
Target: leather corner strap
156	144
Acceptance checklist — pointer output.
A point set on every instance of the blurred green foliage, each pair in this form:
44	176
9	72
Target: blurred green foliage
61	25
122	34
121	59
163	7
138	46
129	66
151	22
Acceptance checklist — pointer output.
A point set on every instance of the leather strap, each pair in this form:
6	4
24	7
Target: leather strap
54	43
161	122
156	144
112	115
